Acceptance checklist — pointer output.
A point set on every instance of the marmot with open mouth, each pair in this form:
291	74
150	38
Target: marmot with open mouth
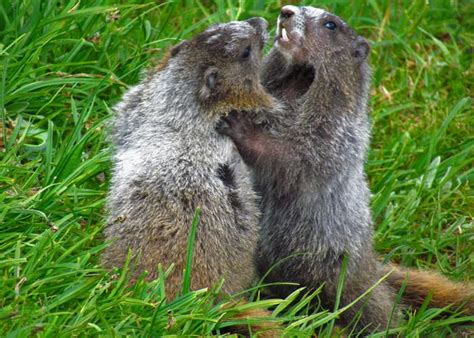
308	162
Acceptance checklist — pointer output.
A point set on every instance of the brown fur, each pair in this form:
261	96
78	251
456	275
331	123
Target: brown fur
244	101
263	329
422	284
160	64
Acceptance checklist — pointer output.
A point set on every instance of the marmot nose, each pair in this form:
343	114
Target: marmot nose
288	11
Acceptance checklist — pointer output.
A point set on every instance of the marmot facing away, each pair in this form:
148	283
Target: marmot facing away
309	166
169	160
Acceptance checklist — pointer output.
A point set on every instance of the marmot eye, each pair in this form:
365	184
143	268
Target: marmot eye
330	25
246	52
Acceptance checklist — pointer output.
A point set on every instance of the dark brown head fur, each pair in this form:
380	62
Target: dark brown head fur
310	40
227	58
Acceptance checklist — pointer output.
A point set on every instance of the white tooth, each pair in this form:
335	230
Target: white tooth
284	35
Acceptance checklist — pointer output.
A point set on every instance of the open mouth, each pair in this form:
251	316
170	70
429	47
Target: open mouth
283	35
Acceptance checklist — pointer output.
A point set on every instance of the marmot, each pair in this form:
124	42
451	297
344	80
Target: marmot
308	162
169	160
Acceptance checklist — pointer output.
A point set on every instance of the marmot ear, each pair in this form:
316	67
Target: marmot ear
209	83
260	24
360	49
175	50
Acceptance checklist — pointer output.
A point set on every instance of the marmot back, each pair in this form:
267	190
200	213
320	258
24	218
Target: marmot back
169	160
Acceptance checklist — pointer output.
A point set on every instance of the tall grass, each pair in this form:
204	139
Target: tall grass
64	64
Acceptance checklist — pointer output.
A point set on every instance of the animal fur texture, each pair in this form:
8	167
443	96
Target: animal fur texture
169	160
308	161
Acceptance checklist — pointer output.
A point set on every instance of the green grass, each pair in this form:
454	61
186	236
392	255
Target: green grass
63	66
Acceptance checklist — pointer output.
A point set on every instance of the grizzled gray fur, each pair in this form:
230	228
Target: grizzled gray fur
309	163
169	160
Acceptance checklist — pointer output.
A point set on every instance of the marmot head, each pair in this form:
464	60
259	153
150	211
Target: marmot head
227	57
308	35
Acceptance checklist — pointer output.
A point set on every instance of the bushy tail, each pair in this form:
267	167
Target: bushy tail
258	323
419	284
